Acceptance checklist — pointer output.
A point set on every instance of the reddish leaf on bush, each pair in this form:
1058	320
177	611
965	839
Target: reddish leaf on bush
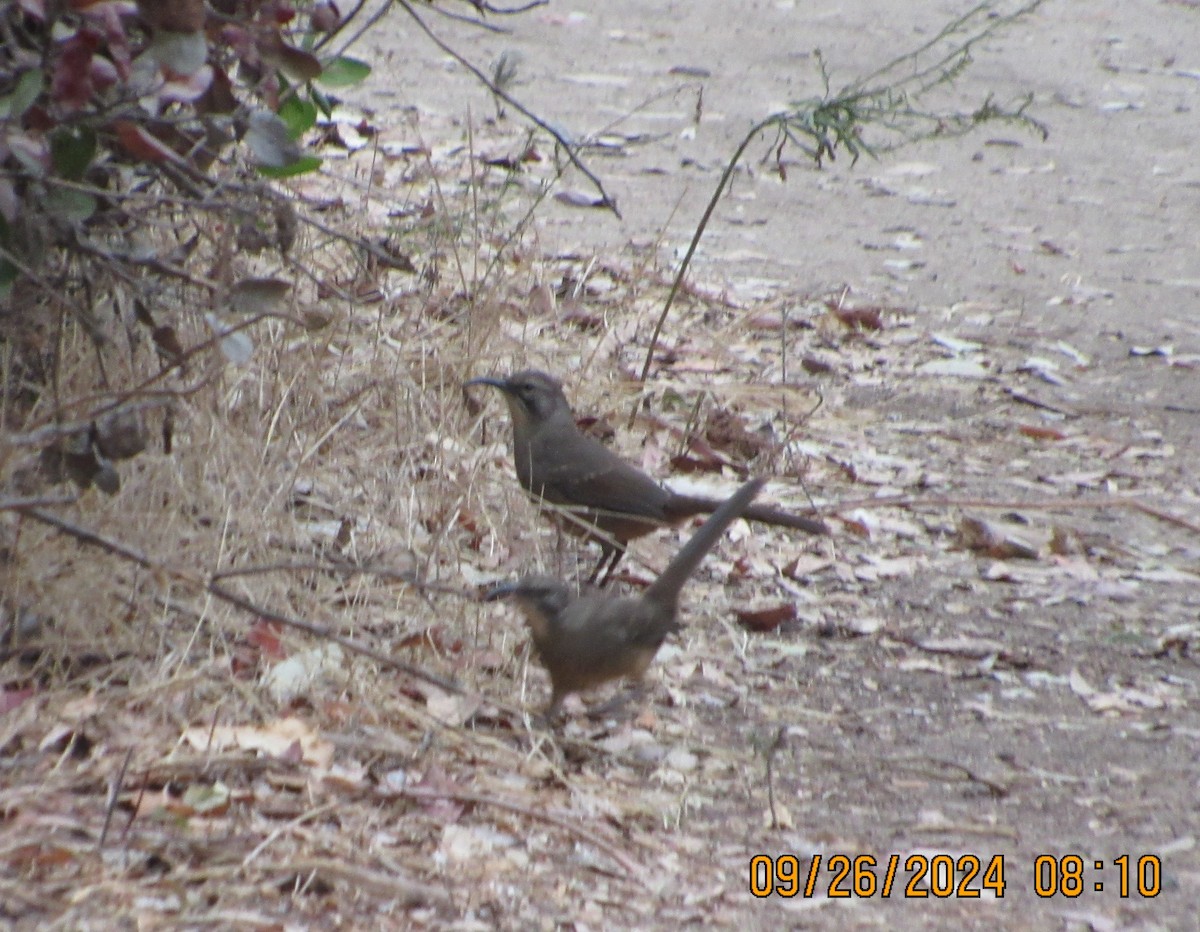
116	40
173	15
71	85
140	144
39	120
219	97
325	17
296	64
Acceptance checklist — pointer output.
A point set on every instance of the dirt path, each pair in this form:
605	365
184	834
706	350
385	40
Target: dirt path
1097	215
933	700
977	357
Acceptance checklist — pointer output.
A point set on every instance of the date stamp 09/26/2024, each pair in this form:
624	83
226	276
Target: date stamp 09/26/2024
944	876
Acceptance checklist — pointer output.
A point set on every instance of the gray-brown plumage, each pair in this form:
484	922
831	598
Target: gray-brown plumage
593	492
585	641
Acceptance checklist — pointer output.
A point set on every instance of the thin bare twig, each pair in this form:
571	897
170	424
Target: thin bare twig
114	795
1041	504
884	98
634	870
124	551
568	147
20	504
346	568
777	744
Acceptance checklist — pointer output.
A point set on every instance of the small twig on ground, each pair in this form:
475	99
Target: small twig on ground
998	790
634	870
388	885
21	504
777	743
133	555
346	568
114	795
1045	504
306	816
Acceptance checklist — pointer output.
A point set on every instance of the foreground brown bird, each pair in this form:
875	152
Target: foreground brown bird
584	641
590	490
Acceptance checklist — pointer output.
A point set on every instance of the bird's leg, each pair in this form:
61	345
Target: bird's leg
549	715
619	701
610	555
558	544
618	553
605	553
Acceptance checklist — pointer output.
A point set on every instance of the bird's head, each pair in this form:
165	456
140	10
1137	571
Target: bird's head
542	598
533	397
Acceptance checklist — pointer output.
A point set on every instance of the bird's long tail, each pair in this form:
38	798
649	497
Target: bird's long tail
763	514
666	588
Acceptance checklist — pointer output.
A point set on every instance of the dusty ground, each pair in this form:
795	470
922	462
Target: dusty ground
1034	370
1042	715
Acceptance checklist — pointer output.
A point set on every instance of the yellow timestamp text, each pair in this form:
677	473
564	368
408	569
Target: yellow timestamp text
943	876
917	876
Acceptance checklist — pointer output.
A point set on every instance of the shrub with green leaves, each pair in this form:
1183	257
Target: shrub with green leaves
98	99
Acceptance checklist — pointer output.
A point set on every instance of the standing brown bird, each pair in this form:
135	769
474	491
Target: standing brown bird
592	492
588	640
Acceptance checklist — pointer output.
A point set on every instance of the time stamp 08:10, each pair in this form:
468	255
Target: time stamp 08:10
964	876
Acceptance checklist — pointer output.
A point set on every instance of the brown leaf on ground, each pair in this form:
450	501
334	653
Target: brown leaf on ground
767	618
726	431
858	318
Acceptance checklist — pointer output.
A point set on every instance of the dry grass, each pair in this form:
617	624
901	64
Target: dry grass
349	444
151	770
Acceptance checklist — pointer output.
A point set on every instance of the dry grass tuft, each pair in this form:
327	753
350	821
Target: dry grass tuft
348	446
174	757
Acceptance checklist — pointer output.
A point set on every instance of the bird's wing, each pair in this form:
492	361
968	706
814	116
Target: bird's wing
581	471
613	636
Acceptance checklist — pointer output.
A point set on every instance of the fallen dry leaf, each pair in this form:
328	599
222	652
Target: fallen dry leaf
765	619
277	739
